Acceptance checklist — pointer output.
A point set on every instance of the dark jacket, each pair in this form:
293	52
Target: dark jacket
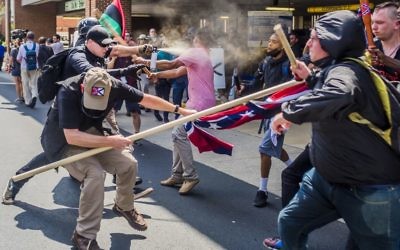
342	151
270	72
45	52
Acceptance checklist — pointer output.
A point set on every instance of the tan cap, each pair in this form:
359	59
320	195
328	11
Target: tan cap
97	86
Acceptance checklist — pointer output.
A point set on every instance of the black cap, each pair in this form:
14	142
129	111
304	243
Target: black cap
99	35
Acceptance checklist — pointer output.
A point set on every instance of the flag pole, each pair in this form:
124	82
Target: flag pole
158	129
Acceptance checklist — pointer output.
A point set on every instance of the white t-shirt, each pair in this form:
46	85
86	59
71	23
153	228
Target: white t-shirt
22	53
57	47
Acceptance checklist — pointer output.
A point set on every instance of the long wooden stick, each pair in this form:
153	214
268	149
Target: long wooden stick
157	129
285	43
366	17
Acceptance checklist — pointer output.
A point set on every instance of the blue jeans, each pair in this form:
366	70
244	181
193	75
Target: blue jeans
372	213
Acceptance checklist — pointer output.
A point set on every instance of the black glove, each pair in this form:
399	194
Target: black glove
132	70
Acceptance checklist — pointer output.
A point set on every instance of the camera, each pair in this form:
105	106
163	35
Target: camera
18	33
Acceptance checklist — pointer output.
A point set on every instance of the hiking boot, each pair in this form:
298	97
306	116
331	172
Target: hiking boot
83	243
273	243
188	185
261	199
9	194
134	218
171	181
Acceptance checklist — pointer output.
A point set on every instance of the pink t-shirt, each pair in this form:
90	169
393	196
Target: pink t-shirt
200	74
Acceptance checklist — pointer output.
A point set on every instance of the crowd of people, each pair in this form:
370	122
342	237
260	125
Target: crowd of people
347	170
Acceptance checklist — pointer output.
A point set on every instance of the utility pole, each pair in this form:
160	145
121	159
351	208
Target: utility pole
7	17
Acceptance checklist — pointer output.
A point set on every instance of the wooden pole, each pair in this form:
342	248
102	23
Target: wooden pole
158	129
285	43
366	17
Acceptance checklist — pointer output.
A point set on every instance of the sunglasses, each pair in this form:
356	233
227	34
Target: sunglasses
103	45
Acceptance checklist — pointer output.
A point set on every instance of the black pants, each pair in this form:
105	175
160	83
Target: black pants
163	89
37	161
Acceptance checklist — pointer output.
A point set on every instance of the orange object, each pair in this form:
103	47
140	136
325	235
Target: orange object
366	16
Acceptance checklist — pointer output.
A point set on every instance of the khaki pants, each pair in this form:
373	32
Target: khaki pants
90	171
29	84
182	158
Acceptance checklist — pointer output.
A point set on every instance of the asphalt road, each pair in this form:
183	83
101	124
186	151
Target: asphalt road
217	215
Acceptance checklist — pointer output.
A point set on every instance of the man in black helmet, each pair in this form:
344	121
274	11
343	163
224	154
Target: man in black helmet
356	175
83	28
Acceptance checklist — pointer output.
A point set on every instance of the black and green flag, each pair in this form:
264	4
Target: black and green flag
113	19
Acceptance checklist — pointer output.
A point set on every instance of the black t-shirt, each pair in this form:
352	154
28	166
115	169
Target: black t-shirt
388	72
81	60
68	113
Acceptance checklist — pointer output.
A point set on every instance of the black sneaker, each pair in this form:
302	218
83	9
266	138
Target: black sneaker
261	199
32	103
139	180
9	194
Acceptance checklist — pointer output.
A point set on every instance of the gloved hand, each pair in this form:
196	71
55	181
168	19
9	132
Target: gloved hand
145	49
132	70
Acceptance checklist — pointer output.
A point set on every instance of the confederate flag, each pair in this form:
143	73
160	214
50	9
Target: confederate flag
237	116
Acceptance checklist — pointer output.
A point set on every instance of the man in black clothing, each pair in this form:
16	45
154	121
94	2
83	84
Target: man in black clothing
80	59
356	175
45	52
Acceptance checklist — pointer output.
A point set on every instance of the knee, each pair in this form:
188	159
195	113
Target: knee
129	166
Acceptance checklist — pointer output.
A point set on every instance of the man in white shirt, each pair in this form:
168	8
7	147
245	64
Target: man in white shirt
29	69
57	46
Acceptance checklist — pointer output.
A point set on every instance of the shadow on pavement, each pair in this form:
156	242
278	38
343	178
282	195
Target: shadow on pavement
48	221
121	241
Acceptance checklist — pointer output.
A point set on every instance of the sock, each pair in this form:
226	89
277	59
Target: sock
288	162
263	184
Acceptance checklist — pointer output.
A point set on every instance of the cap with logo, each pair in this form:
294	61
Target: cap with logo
97	87
99	34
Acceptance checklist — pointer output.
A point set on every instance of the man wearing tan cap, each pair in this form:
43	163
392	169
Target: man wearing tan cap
74	125
80	59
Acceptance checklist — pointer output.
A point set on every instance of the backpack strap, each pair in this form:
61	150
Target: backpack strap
33	48
383	94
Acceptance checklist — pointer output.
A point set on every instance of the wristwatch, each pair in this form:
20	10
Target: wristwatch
176	109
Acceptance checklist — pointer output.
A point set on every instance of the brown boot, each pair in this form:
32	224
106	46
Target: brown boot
171	181
188	185
83	243
134	218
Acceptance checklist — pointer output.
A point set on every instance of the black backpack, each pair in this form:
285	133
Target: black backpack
390	99
52	72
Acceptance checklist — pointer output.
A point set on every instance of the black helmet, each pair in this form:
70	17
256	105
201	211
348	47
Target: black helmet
85	25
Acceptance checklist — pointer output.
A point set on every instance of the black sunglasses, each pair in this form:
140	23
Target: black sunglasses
103	45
